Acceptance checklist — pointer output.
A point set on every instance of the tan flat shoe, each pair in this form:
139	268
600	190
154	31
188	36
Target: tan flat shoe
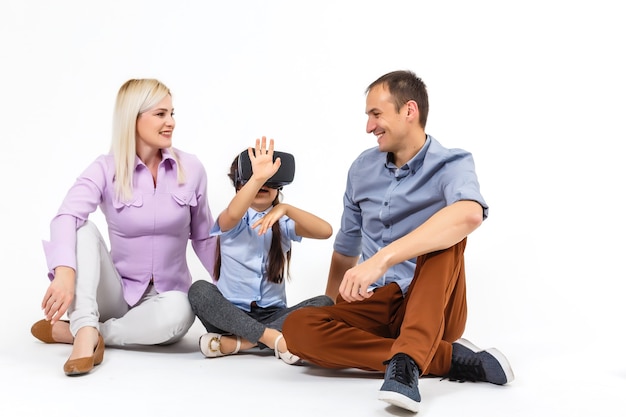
81	366
42	330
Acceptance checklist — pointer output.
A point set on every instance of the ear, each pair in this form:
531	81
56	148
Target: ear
412	111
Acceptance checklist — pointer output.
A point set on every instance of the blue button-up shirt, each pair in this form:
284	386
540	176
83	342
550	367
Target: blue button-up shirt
383	202
243	271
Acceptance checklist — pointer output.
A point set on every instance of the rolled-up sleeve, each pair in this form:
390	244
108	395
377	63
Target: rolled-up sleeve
461	183
348	239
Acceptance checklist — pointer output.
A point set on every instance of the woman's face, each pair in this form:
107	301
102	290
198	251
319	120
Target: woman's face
156	126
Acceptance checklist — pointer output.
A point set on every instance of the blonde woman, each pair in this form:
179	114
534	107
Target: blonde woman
154	199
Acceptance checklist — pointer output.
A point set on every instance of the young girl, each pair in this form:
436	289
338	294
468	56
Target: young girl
247	304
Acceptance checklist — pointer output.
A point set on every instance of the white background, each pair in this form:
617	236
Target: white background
534	89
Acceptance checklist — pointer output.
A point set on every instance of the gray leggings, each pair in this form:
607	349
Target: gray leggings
218	315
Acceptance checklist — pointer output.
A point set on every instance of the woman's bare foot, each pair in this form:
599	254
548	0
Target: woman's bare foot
85	342
61	332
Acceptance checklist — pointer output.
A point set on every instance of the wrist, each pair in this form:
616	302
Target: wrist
384	258
257	181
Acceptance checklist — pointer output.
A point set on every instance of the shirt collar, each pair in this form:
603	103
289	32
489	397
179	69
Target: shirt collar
253	215
412	165
166	155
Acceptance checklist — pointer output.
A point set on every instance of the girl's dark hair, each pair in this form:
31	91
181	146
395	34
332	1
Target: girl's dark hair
277	263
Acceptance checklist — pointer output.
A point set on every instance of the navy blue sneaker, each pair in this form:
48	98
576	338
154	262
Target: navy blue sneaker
470	363
400	386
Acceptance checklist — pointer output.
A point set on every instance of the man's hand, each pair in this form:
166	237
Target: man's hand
356	281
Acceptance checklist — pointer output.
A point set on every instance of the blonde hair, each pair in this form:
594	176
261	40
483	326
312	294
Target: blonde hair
134	97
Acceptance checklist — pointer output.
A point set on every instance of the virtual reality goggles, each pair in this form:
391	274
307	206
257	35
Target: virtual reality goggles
282	177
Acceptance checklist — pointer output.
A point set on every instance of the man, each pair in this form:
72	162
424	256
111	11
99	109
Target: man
409	206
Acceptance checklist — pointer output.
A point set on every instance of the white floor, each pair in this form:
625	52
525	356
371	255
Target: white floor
535	90
177	380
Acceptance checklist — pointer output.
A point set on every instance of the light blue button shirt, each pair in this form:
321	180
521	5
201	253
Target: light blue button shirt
383	202
243	272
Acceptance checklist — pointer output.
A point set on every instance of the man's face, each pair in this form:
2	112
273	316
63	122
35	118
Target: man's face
389	126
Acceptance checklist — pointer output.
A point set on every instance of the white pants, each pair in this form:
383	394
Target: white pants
99	301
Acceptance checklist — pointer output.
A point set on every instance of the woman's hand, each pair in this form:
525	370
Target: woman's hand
60	294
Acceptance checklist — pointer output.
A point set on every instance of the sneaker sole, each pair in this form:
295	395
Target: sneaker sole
399	400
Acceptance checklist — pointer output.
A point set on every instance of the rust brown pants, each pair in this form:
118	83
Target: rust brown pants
423	324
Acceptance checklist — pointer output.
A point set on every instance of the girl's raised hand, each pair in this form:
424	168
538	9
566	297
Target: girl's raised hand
262	159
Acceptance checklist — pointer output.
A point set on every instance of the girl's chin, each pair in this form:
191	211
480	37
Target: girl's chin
261	204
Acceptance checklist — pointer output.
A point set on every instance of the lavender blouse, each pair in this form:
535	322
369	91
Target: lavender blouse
148	235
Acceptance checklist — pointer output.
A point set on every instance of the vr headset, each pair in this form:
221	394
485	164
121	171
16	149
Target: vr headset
282	177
